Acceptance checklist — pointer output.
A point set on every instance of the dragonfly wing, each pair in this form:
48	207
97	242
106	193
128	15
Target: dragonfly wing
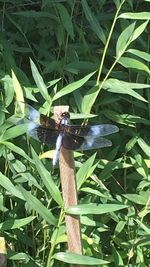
35	116
72	142
94	130
84	143
44	134
94	143
32	114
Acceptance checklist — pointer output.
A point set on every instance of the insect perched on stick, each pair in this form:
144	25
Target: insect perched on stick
64	134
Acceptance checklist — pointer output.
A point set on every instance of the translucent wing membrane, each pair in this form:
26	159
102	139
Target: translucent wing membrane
32	114
95	143
95	130
38	118
84	143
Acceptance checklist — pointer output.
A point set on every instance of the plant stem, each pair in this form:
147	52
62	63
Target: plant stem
107	43
61	217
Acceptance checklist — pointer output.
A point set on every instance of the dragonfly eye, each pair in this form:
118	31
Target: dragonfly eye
65	115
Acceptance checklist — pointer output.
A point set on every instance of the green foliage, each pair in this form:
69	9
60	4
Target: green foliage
94	57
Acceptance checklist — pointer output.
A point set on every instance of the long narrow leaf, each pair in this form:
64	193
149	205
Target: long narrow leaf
13	132
66	19
74	258
90	98
18	91
145	147
124	39
9	186
17	150
39	82
136	15
85	171
73	86
94	208
47	179
139	53
37	205
121	87
139	30
133	64
15	223
93	21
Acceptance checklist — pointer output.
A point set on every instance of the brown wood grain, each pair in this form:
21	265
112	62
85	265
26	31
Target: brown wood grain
69	192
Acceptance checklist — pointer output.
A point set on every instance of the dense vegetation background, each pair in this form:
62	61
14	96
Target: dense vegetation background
94	57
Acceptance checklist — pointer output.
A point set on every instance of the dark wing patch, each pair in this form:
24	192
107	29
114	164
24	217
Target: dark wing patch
47	135
95	130
40	127
48	122
72	142
33	115
84	143
44	134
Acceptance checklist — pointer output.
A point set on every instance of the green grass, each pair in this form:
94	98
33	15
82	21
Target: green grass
94	57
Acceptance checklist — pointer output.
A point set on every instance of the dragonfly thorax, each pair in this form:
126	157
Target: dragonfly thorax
64	118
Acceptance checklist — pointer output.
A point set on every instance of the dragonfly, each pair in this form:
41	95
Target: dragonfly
66	135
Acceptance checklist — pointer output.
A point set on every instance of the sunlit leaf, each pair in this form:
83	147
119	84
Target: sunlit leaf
90	98
131	143
16	256
94	208
18	92
121	87
117	258
73	86
13	132
78	259
9	89
143	226
139	53
9	186
124	40
144	146
17	150
136	15
15	223
139	30
85	171
133	64
139	199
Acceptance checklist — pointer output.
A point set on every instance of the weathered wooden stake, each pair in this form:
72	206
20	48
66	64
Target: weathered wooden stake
69	191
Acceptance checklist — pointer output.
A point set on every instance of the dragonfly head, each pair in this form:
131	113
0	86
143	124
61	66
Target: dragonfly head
65	118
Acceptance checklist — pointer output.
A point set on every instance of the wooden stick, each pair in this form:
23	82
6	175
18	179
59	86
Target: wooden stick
69	191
